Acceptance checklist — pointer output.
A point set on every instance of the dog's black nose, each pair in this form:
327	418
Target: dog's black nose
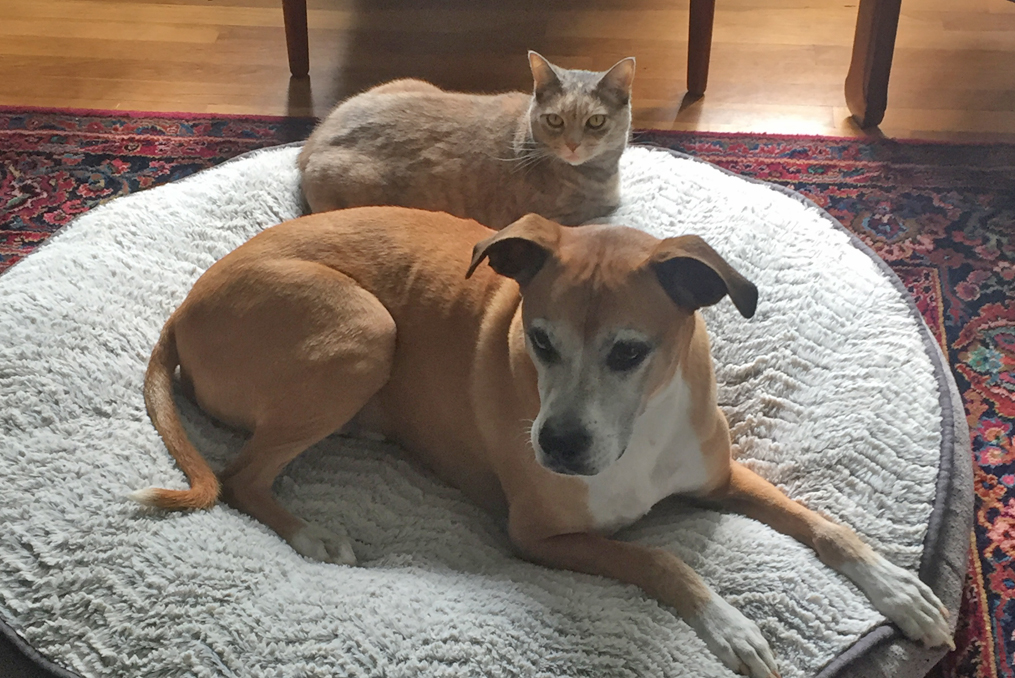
565	442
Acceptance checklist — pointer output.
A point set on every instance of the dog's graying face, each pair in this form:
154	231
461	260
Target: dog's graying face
606	312
593	382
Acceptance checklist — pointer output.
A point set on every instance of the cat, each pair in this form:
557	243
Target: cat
492	158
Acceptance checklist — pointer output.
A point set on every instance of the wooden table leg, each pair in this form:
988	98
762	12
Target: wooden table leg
295	14
873	45
699	45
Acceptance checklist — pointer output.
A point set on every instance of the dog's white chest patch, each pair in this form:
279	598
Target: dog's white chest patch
662	458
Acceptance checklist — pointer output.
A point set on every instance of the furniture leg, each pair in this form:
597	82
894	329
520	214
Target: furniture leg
873	45
297	44
699	45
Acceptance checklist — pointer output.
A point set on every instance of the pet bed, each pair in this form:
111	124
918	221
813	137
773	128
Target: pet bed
835	391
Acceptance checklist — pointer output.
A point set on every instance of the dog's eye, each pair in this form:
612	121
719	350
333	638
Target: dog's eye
596	121
626	355
542	346
554	120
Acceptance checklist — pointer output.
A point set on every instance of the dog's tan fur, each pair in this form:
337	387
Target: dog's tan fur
367	314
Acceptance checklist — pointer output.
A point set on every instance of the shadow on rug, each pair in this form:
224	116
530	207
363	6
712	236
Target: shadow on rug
941	215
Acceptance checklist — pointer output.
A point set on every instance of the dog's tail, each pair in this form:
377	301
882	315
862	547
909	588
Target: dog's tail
158	397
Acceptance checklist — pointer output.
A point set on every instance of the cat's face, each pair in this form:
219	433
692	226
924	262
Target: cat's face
579	115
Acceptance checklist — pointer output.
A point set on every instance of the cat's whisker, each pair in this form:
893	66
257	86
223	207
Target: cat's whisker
529	152
530	159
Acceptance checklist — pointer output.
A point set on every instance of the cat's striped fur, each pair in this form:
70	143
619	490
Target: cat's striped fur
492	158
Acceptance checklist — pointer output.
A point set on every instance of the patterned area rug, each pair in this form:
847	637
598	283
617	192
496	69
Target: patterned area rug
56	164
943	217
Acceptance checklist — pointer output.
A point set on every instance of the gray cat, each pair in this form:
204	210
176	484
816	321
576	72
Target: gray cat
492	158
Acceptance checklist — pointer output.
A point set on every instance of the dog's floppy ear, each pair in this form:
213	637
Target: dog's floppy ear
520	250
694	275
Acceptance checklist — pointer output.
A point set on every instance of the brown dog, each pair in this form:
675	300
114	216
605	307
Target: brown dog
569	384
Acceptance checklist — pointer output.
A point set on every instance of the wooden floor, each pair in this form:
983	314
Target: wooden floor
777	65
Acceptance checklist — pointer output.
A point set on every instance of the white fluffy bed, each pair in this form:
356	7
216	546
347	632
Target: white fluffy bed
835	392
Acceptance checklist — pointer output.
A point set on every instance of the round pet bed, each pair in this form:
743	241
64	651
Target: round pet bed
835	391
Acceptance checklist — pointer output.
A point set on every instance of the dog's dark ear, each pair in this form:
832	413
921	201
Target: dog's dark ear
694	275
519	250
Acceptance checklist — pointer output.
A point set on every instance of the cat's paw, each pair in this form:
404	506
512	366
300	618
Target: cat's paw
734	639
317	543
899	594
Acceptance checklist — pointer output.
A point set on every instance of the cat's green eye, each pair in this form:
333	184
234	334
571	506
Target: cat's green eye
554	120
596	121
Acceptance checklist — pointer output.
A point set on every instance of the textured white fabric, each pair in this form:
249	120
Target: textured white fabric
828	389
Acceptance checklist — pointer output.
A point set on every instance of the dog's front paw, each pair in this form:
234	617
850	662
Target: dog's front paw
734	639
317	543
901	596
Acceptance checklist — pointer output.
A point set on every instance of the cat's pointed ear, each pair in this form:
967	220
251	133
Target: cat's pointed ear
520	250
620	77
543	75
694	275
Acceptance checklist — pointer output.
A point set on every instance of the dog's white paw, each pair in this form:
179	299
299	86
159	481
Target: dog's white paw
901	596
317	543
734	639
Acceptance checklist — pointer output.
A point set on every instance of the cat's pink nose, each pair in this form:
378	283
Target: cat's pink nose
572	144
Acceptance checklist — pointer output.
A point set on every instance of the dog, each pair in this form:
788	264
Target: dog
568	385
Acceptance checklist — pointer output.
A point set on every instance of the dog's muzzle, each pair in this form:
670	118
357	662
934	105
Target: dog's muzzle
565	444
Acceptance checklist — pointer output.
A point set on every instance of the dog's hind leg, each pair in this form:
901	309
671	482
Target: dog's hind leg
246	486
322	353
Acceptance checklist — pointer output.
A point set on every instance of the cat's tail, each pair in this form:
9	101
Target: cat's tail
158	397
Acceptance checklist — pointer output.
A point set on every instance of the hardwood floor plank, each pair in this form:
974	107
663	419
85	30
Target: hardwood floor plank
776	65
95	11
63	29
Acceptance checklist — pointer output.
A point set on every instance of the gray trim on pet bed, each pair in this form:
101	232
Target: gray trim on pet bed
15	643
882	651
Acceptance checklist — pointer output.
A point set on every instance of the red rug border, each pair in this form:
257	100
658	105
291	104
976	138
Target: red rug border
182	115
902	141
189	115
